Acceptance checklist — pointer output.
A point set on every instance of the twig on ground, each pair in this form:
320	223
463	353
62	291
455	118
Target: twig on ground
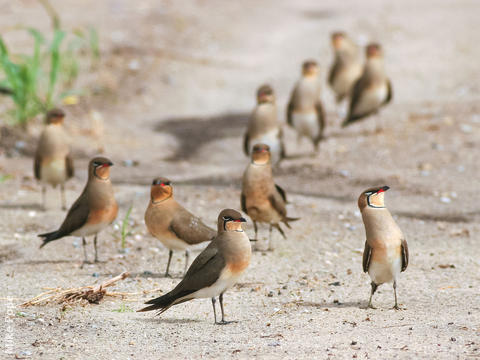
93	294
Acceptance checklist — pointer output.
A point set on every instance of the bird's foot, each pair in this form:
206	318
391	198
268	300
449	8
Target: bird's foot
370	306
96	261
396	307
167	275
224	322
85	262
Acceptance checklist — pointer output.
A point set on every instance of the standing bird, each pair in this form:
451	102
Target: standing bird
94	209
386	250
262	199
372	90
263	125
171	223
215	270
305	111
346	67
53	162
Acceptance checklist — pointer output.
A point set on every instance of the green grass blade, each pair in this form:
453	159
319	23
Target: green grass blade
55	60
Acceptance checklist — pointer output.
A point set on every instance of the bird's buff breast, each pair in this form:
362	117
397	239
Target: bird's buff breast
53	171
385	264
306	123
372	98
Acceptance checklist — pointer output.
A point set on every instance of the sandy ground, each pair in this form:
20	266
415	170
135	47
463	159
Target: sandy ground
178	82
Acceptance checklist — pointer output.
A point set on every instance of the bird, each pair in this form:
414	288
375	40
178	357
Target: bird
53	162
372	90
261	199
215	270
305	111
346	67
263	125
386	251
93	211
171	223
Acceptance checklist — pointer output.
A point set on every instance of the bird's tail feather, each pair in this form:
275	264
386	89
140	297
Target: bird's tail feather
289	219
164	302
54	235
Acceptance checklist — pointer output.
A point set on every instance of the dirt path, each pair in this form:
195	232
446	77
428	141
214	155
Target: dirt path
173	71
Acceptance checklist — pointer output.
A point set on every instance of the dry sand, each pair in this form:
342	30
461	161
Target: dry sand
178	82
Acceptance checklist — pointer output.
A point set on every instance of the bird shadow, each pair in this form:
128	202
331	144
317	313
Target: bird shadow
450	218
28	206
162	320
333	304
42	262
8	252
153	275
195	132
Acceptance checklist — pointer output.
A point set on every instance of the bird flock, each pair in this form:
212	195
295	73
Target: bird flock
219	266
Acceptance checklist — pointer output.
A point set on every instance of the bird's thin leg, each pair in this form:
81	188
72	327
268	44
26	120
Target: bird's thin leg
44	197
395	293
170	253
214	310
270	238
374	288
223	322
95	246
84	245
277	226
256	229
187	257
62	193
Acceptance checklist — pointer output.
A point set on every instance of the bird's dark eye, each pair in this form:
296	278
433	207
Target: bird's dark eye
96	164
167	183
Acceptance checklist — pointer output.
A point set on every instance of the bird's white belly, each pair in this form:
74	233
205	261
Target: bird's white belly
224	282
88	230
387	270
306	124
54	172
371	99
272	140
174	243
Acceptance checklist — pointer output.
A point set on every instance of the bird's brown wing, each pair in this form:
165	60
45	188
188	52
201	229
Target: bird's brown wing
290	108
69	166
278	203
246	144
356	97
204	272
367	253
404	254
389	92
281	192
321	120
76	217
190	228
36	165
243	202
333	72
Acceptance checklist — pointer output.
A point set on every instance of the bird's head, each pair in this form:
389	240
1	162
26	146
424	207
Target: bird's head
372	198
230	220
55	116
374	50
99	167
261	154
310	68
265	94
161	189
338	39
